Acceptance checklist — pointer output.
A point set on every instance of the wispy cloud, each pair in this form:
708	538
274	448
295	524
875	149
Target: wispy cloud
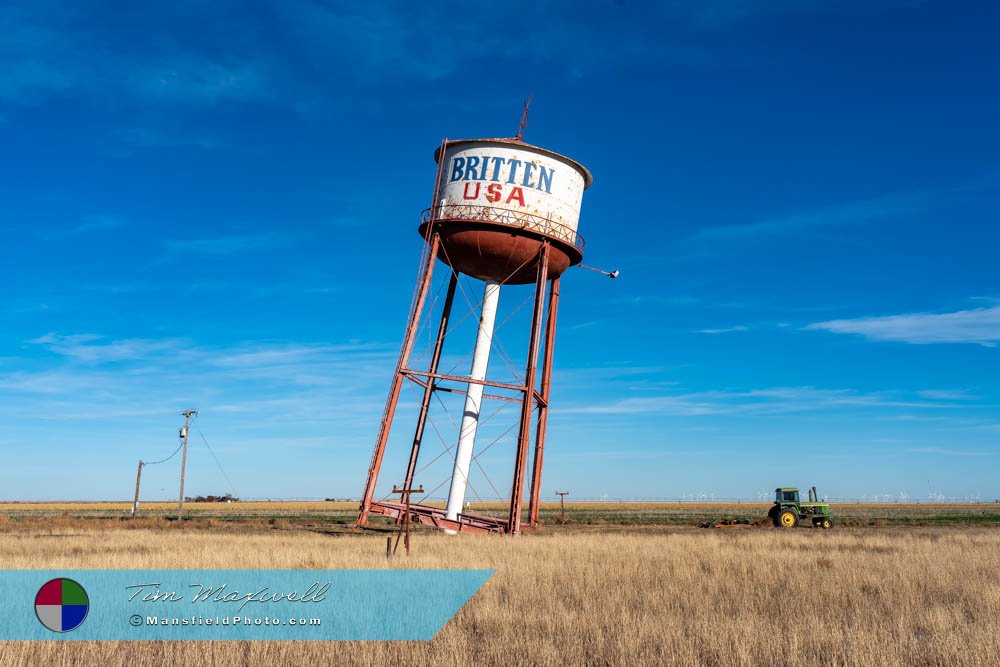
91	374
948	395
874	209
51	48
754	402
944	451
980	326
229	245
656	299
147	137
27	69
48	381
98	222
429	42
202	81
309	48
624	372
856	212
701	14
95	349
734	329
90	223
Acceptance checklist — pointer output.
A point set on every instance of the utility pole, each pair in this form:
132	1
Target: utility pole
184	436
562	504
404	529
135	503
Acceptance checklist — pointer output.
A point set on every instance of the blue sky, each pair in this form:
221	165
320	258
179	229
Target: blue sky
214	206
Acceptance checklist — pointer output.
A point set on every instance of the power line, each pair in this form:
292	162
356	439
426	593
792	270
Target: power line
153	463
232	487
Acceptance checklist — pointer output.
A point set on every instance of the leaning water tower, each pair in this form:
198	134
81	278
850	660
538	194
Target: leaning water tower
505	213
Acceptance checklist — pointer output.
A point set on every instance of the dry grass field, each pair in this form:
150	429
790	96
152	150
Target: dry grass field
594	594
343	513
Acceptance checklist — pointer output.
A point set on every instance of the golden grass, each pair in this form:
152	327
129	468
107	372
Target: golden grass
340	505
925	596
278	508
189	507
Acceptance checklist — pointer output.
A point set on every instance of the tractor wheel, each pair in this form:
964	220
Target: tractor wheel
772	514
827	523
789	519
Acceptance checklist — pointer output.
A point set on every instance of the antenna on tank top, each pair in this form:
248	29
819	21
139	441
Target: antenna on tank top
524	120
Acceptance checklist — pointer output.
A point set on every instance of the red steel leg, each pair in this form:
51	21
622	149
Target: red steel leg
524	435
397	381
425	403
543	407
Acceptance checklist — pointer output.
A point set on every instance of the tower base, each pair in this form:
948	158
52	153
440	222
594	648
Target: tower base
436	516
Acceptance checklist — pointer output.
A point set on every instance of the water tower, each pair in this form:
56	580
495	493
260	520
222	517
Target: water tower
505	213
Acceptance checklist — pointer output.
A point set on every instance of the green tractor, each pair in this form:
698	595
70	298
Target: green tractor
787	511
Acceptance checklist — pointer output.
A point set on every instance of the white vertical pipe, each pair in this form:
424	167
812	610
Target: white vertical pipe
473	402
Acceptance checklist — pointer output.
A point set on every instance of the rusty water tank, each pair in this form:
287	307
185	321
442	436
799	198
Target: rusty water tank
498	200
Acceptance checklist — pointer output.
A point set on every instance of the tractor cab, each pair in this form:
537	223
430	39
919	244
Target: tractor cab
786	496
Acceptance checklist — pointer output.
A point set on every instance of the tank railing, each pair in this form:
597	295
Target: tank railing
521	220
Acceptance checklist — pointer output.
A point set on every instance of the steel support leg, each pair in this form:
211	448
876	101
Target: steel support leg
543	407
397	380
425	402
524	434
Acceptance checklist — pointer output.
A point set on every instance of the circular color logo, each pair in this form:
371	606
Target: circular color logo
61	605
